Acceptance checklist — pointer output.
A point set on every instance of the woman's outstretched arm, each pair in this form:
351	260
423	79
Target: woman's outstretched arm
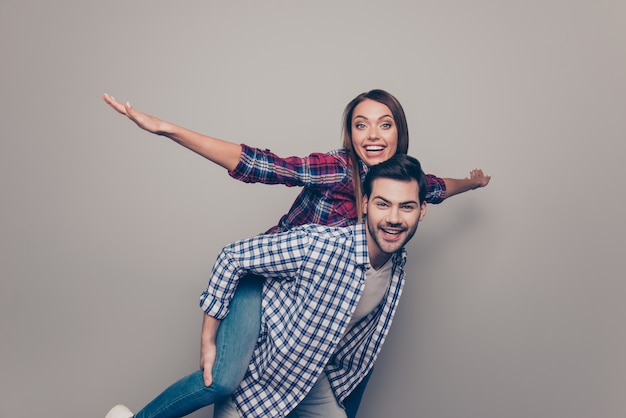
224	153
456	186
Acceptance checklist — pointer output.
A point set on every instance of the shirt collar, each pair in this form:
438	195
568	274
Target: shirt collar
362	257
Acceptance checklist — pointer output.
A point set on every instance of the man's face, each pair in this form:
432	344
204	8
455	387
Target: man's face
393	213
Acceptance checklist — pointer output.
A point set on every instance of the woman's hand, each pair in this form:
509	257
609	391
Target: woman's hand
479	178
144	121
475	180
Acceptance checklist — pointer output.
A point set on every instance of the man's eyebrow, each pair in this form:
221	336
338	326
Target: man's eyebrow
415	202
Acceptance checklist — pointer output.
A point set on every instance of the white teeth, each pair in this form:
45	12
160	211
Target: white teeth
374	148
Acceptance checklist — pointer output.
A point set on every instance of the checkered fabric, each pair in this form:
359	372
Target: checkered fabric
316	277
328	194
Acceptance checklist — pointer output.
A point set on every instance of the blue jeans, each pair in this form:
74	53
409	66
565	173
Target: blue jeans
236	338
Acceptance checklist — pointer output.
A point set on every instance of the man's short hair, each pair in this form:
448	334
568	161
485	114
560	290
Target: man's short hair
399	167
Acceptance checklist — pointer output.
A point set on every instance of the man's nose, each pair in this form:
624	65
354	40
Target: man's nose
393	215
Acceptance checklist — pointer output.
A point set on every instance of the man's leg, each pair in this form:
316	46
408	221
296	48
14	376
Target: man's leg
353	401
225	408
320	402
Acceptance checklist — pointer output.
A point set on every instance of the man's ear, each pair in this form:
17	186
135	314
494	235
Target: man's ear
422	210
364	205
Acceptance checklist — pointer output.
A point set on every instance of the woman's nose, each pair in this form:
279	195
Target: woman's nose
374	134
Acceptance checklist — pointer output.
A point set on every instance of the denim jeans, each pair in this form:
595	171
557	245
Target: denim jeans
320	402
236	338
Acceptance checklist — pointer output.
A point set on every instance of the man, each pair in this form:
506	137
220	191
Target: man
328	300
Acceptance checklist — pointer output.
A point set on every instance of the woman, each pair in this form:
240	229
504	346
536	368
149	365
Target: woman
374	129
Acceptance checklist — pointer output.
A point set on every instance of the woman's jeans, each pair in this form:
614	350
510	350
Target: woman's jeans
236	338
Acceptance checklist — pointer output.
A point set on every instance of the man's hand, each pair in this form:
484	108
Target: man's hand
208	349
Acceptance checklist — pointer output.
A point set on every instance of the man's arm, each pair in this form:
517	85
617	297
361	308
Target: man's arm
275	256
207	347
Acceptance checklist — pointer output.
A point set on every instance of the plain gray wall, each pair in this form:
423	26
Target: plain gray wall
514	305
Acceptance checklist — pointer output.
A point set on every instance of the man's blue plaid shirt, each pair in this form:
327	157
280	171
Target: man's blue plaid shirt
315	278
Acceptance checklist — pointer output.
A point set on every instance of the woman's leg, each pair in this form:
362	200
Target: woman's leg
236	339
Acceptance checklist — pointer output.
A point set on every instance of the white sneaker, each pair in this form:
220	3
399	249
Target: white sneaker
119	411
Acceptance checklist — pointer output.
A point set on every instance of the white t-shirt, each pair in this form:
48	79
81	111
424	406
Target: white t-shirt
376	284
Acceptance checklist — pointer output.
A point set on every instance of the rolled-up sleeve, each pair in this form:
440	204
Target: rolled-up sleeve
436	189
275	256
314	170
222	284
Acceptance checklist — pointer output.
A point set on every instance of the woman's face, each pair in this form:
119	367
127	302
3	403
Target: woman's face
374	132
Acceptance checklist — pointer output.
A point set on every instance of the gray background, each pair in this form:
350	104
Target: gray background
514	304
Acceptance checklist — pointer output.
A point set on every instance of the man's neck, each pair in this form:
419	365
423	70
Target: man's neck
379	260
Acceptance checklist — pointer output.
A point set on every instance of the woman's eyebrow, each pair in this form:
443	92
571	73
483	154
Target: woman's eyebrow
364	117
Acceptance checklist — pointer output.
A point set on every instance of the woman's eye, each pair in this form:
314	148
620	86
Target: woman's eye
359	125
386	125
